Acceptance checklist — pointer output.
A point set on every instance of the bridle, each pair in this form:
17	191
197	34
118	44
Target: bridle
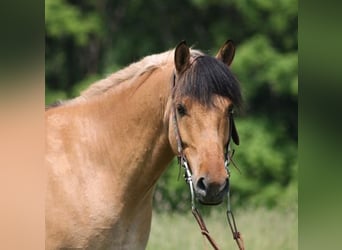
183	162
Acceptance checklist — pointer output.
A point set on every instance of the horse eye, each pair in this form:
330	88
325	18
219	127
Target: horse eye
181	110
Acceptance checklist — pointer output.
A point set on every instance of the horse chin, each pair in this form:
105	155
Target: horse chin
210	203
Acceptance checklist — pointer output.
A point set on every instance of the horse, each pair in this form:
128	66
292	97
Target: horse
106	148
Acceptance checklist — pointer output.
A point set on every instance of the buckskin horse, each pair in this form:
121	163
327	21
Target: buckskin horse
106	149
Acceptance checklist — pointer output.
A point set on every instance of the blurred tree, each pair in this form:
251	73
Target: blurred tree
74	36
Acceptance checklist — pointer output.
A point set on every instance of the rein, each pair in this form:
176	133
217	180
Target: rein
182	161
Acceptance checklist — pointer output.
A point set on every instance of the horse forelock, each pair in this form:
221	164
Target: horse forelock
205	78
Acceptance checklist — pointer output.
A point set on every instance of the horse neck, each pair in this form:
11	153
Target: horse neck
134	127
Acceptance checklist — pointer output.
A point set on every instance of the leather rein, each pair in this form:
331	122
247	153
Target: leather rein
183	162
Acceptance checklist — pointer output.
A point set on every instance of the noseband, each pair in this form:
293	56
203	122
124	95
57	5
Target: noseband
183	162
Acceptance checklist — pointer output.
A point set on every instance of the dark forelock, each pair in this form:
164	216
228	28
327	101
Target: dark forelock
206	77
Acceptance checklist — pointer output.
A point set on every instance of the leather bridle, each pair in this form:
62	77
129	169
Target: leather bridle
183	162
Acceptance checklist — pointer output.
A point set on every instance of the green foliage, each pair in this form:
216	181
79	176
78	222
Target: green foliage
258	64
82	85
87	40
52	96
64	19
268	161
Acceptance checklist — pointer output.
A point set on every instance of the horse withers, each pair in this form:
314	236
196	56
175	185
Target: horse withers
106	149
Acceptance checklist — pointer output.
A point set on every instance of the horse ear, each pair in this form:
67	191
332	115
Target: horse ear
182	57
226	53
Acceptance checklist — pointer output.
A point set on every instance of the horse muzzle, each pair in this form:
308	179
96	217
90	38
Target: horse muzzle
210	193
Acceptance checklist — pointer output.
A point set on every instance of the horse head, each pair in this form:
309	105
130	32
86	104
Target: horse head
204	94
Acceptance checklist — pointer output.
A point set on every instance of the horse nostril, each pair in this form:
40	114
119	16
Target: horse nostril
201	185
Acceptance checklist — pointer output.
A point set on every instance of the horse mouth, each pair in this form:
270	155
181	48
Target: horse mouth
209	202
206	203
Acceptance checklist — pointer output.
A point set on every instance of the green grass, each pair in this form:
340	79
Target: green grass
262	229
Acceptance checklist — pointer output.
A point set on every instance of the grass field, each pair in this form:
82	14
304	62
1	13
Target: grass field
261	229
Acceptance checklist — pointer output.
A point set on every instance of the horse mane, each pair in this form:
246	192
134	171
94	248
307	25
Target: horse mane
131	72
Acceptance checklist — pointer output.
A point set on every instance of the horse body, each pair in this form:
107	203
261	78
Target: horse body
106	149
100	170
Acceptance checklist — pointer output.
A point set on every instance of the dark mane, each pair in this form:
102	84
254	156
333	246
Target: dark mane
206	77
